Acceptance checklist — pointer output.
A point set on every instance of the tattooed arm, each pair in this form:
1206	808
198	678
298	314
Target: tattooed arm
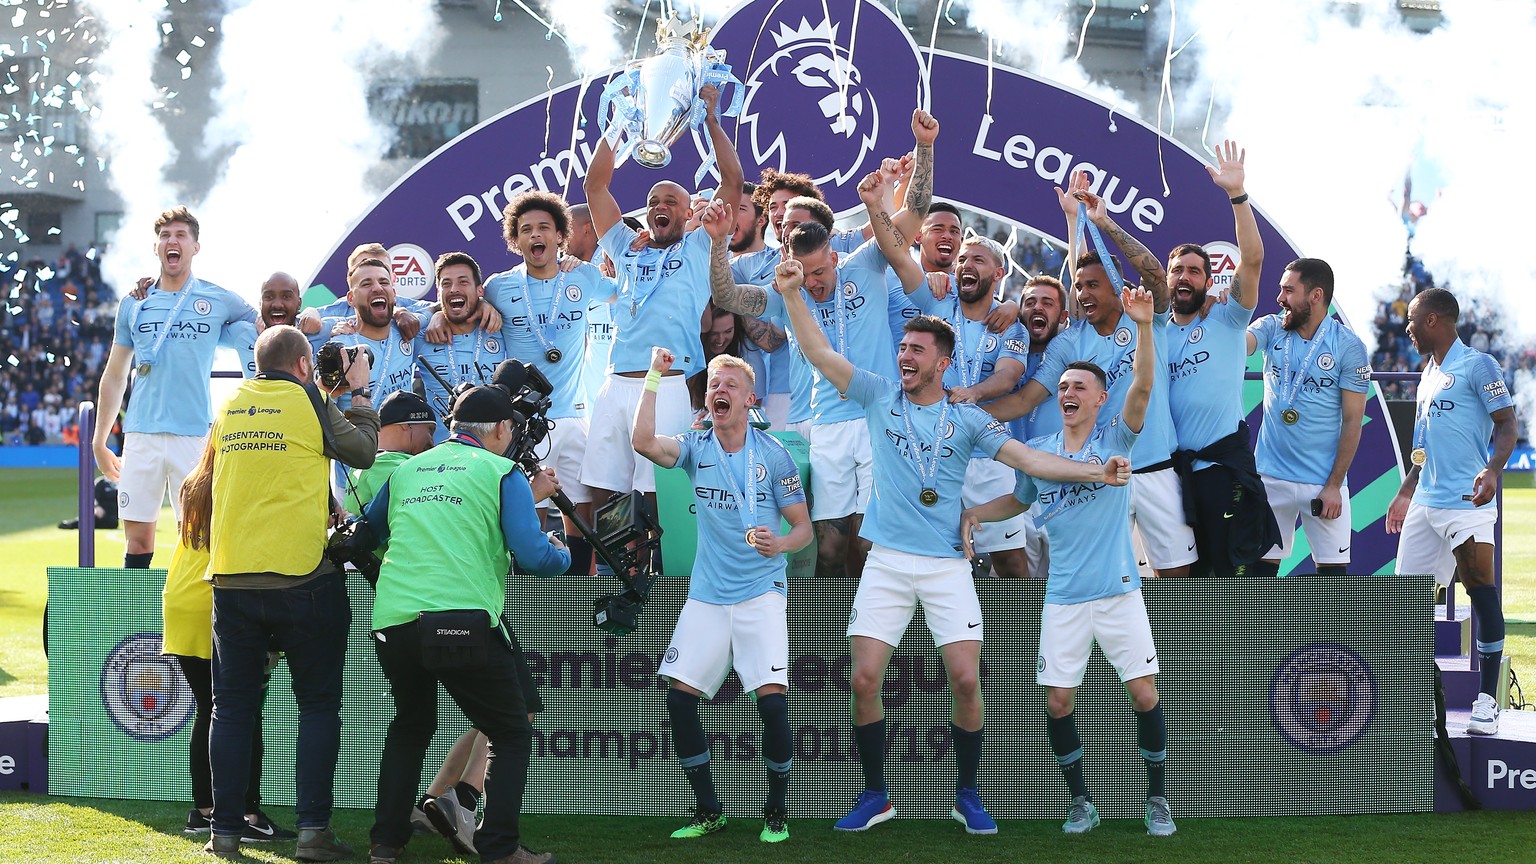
914	208
748	300
765	334
875	192
1154	277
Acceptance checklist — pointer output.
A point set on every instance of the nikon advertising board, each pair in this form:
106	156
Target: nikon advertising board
1266	691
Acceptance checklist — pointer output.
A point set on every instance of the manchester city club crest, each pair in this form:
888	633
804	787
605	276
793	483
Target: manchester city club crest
1123	336
1196	334
1325	362
1322	698
201	306
573	293
143	691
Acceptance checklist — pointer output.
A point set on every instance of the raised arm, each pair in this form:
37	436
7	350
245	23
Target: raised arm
731	176
748	300
601	204
1048	466
1229	175
1154	277
876	190
919	193
1138	304
661	449
787	279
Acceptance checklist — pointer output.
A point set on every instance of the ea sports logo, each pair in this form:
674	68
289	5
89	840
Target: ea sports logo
412	268
143	691
1224	261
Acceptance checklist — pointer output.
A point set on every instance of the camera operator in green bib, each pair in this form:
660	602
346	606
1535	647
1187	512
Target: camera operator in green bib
450	516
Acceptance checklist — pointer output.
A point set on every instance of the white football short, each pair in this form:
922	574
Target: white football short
1431	534
154	464
1157	511
1329	538
709	639
1067	633
986	479
567	444
610	461
892	585
842	469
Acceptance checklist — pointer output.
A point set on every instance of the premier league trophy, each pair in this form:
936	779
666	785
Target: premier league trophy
654	101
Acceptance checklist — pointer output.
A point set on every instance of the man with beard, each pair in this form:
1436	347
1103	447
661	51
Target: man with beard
1207	355
169	338
1316	375
470	354
1106	337
662	289
922	444
371	294
744	482
860	314
985	365
279	305
543	306
763	342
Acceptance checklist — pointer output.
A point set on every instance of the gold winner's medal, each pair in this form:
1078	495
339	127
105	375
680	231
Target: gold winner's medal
143	369
1290	416
750	532
553	355
929	497
1418	456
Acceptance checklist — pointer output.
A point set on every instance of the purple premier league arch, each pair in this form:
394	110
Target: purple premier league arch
830	86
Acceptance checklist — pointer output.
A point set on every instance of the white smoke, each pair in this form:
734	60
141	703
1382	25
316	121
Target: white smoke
1037	36
293	118
1333	101
125	123
592	36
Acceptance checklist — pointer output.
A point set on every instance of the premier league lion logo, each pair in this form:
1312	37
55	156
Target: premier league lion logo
812	78
828	88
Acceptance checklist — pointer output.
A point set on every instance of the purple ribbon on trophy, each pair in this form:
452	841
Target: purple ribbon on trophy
654	101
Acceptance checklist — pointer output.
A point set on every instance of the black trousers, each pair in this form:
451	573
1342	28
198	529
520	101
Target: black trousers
1219	516
199	675
492	698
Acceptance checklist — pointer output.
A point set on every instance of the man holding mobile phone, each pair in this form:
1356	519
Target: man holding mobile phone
1316	376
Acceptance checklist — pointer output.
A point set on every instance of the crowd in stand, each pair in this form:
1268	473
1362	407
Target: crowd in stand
55	335
1482	327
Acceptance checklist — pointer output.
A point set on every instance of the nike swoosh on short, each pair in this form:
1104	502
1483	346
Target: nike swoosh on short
1226	515
1009	535
1152	659
973	626
706	464
775	668
1191	547
1343	550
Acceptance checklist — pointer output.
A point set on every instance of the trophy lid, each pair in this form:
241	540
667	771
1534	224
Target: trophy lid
672	32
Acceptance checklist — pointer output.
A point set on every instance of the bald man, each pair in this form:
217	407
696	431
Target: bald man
662	290
280	304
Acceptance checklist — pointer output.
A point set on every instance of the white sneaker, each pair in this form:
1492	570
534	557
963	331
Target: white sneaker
453	821
1485	716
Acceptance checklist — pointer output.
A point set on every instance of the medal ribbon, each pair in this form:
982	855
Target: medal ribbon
746	506
165	329
1098	246
453	361
546	333
970	368
927	469
1060	504
635	304
1294	387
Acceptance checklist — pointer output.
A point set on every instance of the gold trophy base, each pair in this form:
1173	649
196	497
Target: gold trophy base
652	153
